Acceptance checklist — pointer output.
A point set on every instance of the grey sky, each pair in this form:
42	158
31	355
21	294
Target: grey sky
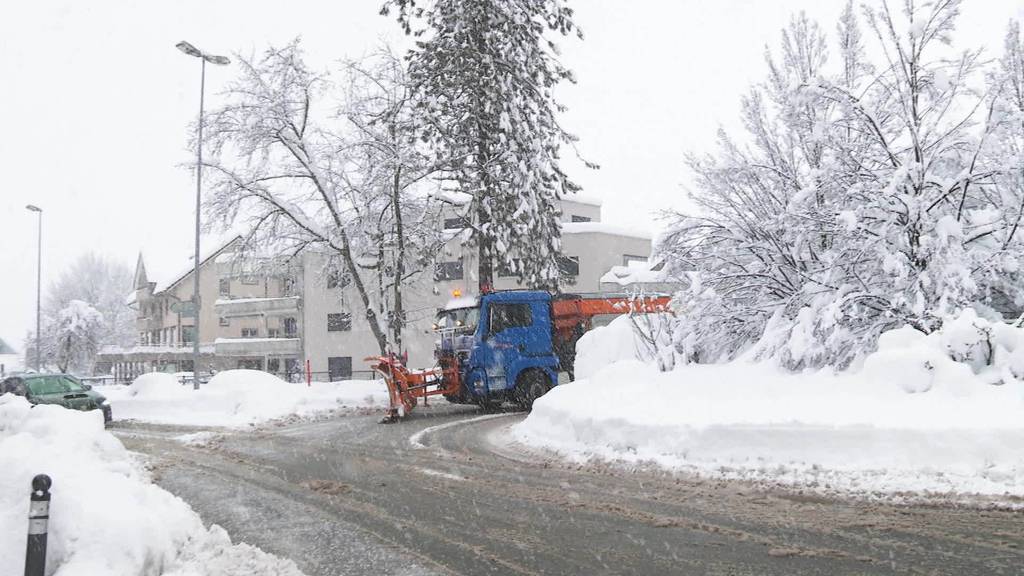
96	101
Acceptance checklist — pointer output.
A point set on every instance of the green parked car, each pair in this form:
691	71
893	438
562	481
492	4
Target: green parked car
61	389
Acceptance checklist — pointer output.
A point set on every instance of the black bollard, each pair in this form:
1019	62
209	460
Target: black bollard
38	519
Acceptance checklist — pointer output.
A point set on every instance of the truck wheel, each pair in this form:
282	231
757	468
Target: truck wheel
531	385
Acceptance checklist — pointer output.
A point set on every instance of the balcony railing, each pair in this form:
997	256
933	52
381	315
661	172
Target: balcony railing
258	346
227	308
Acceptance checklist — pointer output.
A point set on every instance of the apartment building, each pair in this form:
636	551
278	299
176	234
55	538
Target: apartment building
276	314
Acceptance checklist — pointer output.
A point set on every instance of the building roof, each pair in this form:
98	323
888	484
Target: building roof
581	198
206	256
603	228
636	273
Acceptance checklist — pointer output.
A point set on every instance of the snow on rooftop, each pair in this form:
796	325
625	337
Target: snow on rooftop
634	273
453	197
580	198
604	228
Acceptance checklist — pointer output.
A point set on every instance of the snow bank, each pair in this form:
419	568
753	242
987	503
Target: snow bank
942	412
236	398
106	518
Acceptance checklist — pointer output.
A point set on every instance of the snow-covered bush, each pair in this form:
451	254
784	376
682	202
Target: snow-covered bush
859	202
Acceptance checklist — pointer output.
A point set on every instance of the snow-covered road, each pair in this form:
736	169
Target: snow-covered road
448	492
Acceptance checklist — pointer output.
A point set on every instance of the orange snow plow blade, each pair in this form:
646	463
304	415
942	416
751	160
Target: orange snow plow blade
405	385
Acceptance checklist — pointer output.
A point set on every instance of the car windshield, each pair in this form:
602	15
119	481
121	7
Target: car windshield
54	384
460	319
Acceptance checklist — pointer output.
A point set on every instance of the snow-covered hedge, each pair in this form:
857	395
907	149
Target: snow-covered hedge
938	412
106	517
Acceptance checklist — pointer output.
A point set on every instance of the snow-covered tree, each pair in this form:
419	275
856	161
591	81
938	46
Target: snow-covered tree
103	284
74	337
99	283
484	72
388	166
860	200
306	169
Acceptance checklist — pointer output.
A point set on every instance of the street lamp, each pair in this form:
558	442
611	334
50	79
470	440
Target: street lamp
220	61
39	280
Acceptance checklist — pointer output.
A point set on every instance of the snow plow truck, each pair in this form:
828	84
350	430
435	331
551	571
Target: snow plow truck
503	346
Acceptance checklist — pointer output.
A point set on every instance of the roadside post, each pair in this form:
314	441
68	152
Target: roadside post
309	374
38	521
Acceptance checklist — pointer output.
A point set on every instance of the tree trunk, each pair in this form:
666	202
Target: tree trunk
398	314
357	280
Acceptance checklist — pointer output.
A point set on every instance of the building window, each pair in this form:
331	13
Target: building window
225	287
457	223
188	334
250	364
273	333
504	269
340	322
291	327
224	321
250	332
273	365
627	258
337	279
339	368
292	370
569	265
505	316
288	286
576	218
448	270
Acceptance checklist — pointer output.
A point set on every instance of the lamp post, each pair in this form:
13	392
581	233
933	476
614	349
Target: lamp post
220	61
39	280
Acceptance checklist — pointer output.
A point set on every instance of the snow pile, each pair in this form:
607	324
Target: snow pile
236	398
625	338
106	518
936	413
157	386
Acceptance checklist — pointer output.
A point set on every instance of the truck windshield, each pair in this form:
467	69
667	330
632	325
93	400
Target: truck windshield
460	319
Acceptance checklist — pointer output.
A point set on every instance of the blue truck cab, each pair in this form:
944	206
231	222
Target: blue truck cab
504	344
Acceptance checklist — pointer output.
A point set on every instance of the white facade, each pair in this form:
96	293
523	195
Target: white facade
278	315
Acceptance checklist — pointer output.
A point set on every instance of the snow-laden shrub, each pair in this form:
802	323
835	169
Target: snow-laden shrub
841	215
968	349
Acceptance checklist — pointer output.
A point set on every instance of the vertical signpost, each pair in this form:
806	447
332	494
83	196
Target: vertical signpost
38	523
